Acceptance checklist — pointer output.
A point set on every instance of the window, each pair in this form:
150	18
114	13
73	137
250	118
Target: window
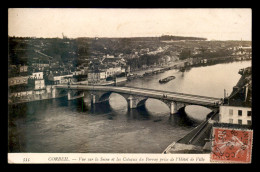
249	122
249	113
239	112
240	121
231	121
230	112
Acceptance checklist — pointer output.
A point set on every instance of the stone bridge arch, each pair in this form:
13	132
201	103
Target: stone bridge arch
104	96
173	105
133	101
63	92
58	92
72	94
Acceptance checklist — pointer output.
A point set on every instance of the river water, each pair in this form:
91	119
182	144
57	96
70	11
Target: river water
63	126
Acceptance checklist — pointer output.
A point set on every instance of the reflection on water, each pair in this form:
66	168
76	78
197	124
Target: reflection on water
74	126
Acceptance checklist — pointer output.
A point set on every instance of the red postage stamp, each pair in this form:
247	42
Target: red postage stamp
231	145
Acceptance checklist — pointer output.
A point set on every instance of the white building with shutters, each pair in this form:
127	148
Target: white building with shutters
235	115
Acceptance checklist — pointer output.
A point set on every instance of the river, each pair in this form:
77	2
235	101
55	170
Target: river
63	126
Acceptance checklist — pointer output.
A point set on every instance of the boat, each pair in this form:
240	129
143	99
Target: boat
169	78
148	74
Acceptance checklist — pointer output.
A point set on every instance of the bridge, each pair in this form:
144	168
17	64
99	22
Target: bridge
135	97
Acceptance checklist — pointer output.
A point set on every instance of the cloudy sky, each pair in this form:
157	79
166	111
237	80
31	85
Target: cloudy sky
218	24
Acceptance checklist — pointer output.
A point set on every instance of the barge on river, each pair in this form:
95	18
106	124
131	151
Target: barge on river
165	80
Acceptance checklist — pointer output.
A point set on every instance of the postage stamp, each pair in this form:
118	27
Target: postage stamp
231	145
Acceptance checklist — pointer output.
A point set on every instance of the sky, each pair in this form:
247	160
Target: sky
213	24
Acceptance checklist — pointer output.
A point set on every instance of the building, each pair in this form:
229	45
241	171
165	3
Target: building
95	76
19	87
110	56
79	72
36	83
18	80
237	107
37	75
20	90
242	50
58	78
40	64
23	69
39	84
203	61
112	71
235	115
197	60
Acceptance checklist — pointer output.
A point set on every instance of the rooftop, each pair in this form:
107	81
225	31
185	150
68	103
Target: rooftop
242	92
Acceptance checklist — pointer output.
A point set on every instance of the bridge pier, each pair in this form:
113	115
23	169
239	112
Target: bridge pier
53	92
69	95
72	94
93	99
135	101
131	102
86	97
173	105
99	97
173	108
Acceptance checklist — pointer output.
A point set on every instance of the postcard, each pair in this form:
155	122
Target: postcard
131	86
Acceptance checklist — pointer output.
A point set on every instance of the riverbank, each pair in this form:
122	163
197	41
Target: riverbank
222	60
184	64
33	98
155	70
175	64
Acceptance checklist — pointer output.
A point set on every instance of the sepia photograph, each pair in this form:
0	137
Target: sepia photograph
129	85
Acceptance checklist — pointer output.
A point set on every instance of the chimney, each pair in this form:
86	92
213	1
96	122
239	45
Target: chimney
246	91
225	101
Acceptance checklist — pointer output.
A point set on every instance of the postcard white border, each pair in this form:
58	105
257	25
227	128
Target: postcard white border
111	158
